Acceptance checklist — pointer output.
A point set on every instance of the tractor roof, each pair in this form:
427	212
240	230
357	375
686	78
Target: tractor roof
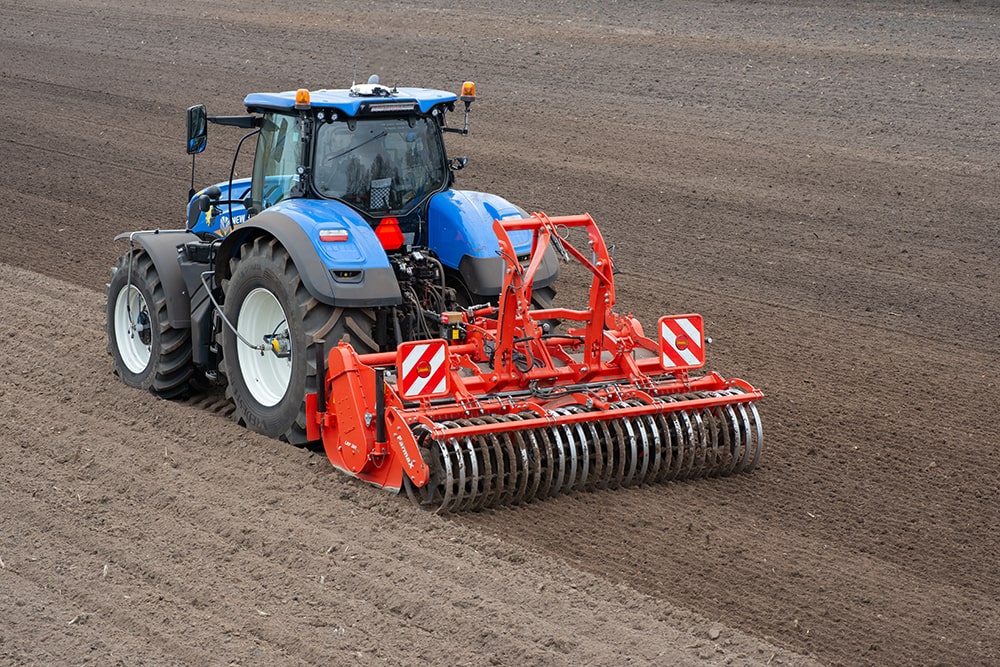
350	103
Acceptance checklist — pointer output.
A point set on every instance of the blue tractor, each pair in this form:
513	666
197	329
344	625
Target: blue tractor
350	228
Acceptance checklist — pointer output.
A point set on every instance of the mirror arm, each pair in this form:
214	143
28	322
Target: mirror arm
246	122
192	190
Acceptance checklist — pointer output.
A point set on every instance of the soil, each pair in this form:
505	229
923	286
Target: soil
817	179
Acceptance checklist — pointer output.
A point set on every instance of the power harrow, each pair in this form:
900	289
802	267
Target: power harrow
504	408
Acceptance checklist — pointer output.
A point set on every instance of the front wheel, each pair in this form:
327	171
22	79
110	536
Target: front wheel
270	360
146	351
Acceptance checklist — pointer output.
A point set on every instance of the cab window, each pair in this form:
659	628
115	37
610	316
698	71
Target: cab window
278	157
379	165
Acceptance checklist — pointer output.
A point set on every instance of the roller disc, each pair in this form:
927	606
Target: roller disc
508	464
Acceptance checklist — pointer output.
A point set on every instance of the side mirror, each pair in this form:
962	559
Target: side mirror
457	163
197	129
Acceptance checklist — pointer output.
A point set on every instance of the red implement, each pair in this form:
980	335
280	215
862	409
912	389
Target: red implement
502	410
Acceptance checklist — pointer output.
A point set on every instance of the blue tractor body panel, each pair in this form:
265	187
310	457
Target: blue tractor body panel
224	216
460	222
359	249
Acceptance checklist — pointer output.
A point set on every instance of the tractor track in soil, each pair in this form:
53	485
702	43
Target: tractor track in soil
817	179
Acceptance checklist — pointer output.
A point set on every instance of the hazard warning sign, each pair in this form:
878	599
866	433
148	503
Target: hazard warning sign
682	342
422	368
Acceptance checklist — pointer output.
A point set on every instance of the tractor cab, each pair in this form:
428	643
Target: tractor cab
378	150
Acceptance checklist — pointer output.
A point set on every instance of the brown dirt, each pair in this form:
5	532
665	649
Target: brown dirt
818	179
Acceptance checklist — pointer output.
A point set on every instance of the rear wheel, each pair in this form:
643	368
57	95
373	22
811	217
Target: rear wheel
271	365
147	352
541	297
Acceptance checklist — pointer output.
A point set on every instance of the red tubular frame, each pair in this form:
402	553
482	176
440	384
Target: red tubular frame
507	365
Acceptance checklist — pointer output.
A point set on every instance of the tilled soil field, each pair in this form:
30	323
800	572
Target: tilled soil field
818	179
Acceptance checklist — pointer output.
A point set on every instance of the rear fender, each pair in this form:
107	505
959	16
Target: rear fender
460	232
161	246
350	273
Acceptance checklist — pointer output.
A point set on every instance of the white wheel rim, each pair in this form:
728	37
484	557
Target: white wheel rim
266	375
128	306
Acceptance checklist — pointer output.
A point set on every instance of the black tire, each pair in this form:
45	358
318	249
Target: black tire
269	391
146	351
543	297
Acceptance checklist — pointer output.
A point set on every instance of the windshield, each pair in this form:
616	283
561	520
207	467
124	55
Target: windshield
383	165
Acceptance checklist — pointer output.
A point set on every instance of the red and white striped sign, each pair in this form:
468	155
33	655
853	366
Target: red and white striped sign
682	342
422	369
